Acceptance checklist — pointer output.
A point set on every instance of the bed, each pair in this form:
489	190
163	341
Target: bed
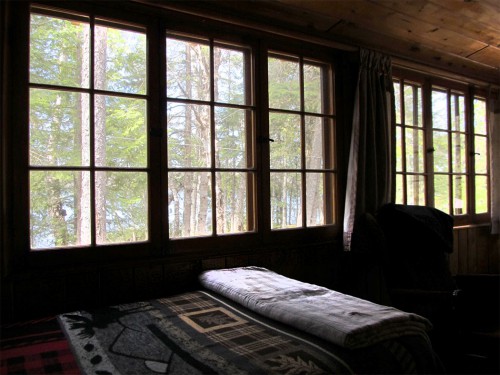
250	320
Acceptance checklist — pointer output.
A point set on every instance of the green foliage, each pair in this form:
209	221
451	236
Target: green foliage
60	135
449	142
85	143
189	130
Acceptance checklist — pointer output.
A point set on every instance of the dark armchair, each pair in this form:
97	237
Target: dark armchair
419	241
400	257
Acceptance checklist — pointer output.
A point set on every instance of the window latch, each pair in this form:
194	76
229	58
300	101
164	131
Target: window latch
265	139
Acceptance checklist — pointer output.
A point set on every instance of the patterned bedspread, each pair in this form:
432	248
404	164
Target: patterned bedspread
201	332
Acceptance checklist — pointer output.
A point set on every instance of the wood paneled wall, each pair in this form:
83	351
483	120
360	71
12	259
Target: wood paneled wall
47	292
34	294
476	251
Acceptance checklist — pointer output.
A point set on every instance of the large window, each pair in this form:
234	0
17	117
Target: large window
301	136
210	127
449	151
87	132
141	134
410	146
442	149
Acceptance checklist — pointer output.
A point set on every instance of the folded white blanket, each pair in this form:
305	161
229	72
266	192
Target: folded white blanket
339	318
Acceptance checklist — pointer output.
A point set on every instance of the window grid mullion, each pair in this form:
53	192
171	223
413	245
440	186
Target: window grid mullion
212	141
449	96
429	142
93	213
470	129
302	142
403	141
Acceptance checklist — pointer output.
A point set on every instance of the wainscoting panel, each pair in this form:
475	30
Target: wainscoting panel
29	295
476	251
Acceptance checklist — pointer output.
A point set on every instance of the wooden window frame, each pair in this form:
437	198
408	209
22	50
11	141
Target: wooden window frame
327	115
428	84
92	92
247	106
404	173
158	244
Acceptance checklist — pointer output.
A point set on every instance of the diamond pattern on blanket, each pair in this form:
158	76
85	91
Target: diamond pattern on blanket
211	319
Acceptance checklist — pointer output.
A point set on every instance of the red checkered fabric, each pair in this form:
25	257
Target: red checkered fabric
37	347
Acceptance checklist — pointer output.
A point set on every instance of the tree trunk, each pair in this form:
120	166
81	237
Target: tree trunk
187	228
82	184
56	204
202	216
314	201
100	133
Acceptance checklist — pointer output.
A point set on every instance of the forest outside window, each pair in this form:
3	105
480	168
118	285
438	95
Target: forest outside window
442	162
301	128
125	149
211	131
88	146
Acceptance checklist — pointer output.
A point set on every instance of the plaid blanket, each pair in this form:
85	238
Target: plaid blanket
339	318
192	333
201	332
36	347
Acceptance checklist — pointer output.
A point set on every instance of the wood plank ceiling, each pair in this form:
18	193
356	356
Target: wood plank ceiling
459	36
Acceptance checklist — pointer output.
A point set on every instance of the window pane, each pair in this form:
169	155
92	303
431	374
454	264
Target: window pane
481	154
457	113
414	150
120	132
188	129
411	114
231	204
481	194
229	77
315	205
120	60
439	110
397	101
59	51
230	137
284	129
480	116
442	193
121	207
399	189
415	185
59	209
441	153
188	70
189	204
459	146
420	121
286	201
284	84
59	128
399	149
459	194
313	92
314	142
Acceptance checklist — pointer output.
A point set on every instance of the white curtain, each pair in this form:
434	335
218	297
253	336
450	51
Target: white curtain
369	175
494	131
